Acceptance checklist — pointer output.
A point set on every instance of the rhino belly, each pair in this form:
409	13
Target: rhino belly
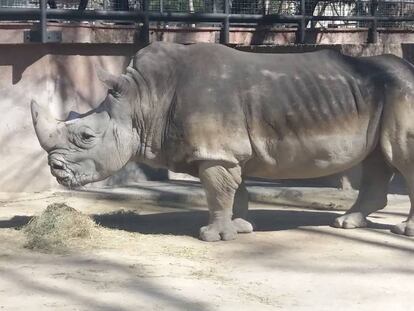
307	156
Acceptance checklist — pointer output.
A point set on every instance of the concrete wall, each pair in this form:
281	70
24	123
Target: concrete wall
63	77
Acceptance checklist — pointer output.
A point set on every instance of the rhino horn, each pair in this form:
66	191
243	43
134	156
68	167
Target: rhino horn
46	127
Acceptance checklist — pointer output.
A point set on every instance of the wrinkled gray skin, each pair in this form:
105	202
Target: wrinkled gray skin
222	115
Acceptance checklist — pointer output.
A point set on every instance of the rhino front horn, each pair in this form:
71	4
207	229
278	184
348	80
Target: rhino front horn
45	125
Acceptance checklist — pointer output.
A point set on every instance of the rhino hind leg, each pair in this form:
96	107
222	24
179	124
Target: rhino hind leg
398	146
240	209
407	226
376	175
241	202
221	182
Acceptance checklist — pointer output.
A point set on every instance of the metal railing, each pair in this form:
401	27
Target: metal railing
302	14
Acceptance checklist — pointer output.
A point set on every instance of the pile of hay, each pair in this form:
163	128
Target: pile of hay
59	228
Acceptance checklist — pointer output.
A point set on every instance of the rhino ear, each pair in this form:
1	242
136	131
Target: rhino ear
108	79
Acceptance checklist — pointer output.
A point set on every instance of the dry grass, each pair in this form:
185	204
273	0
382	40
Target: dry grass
59	228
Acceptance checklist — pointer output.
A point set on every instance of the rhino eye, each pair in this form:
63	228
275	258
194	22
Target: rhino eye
86	136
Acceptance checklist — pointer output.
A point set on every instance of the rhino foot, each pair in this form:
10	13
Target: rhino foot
213	233
242	226
350	221
404	228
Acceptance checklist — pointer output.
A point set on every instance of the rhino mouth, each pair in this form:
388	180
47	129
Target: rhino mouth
64	176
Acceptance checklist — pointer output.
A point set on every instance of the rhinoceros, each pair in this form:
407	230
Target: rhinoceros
223	115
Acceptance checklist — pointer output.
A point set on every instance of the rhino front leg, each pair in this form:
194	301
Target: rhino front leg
220	182
376	175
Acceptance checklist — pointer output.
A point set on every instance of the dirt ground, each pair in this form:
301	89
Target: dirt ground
148	257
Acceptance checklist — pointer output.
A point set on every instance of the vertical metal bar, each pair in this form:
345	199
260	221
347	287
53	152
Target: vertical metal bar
373	33
43	21
159	24
214	6
302	23
225	30
145	35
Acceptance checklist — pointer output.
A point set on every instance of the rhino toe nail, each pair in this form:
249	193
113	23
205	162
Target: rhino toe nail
242	226
227	236
209	234
348	225
337	223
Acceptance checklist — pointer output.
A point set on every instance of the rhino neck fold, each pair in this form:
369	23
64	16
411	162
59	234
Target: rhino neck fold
150	111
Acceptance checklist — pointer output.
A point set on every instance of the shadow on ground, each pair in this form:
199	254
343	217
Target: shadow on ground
189	223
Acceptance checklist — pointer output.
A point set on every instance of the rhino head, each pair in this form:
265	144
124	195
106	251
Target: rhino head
90	147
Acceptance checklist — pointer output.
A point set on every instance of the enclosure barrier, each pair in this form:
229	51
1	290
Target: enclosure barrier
304	14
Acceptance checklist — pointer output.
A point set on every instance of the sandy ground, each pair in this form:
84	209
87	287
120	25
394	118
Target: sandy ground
148	257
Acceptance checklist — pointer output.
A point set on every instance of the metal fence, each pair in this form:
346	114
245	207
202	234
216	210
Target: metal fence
286	7
302	14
